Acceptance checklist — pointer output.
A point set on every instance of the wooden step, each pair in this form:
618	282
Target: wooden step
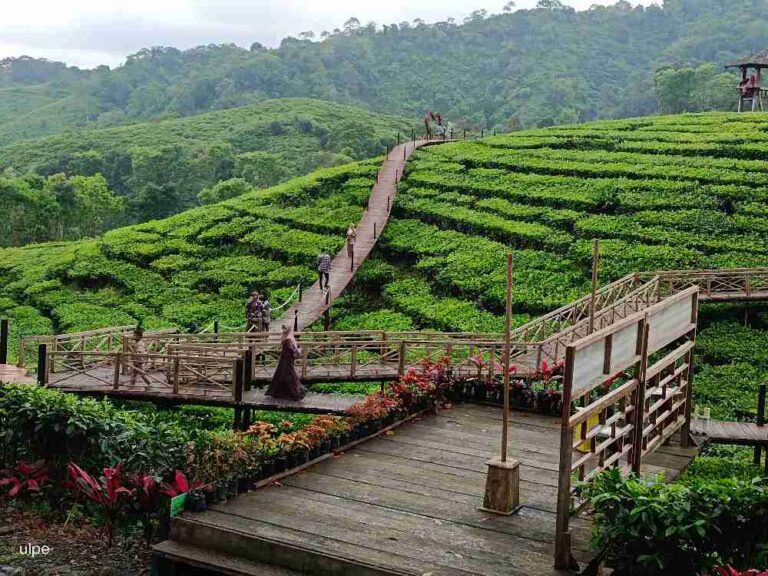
298	551
180	556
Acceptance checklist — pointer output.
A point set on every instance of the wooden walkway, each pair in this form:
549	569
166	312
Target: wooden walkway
726	432
315	301
405	503
9	373
98	382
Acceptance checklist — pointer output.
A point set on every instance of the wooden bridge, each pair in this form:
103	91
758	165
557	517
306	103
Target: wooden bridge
181	367
315	301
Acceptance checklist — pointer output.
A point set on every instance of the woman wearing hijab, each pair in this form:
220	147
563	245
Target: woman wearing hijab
285	382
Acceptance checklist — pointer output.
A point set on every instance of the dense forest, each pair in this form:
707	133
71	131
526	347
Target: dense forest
68	186
522	68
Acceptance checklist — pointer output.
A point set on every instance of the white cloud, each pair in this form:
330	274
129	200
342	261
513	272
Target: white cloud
91	32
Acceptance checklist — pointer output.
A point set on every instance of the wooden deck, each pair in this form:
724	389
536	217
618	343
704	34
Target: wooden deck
406	503
9	373
722	432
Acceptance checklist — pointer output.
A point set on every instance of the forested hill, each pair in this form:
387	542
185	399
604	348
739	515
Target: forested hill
80	183
529	67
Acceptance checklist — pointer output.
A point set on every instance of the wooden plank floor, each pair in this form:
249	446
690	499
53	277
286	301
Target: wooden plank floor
9	373
722	432
408	503
99	382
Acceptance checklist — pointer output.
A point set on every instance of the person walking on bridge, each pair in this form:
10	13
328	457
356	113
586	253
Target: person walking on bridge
351	237
324	269
286	383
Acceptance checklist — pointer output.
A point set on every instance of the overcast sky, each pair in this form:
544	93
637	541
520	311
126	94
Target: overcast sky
87	33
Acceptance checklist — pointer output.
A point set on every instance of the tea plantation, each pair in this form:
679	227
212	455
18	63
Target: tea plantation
687	191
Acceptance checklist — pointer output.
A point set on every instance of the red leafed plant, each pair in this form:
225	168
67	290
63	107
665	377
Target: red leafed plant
731	571
24	478
107	492
147	501
179	486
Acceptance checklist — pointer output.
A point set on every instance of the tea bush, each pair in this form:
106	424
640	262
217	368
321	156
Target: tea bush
653	528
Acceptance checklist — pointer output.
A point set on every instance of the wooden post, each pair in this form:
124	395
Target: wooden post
401	359
398	138
374	229
176	372
562	529
327	320
353	361
639	415
593	296
502	485
42	364
22	352
388	203
238	393
507	353
685	433
216	326
116	377
301	292
351	258
760	419
4	341
248	368
295	320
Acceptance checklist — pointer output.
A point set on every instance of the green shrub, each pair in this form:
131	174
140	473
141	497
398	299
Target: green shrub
652	528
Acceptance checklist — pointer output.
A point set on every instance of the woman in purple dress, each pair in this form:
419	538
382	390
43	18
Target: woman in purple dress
285	383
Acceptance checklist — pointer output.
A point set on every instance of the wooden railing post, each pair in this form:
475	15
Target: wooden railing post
176	372
4	341
116	376
248	368
401	359
562	529
42	364
760	419
238	393
22	352
639	416
353	361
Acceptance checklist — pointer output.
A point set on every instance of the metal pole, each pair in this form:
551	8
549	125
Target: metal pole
374	229
301	291
4	341
465	133
398	138
507	354
404	149
482	132
593	297
388	203
352	258
295	320
215	326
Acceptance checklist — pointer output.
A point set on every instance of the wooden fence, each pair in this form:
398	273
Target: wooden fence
618	408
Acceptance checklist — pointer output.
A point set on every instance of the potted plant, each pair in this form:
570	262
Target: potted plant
196	501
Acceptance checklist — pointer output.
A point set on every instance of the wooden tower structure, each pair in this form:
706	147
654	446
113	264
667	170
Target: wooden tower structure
753	96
